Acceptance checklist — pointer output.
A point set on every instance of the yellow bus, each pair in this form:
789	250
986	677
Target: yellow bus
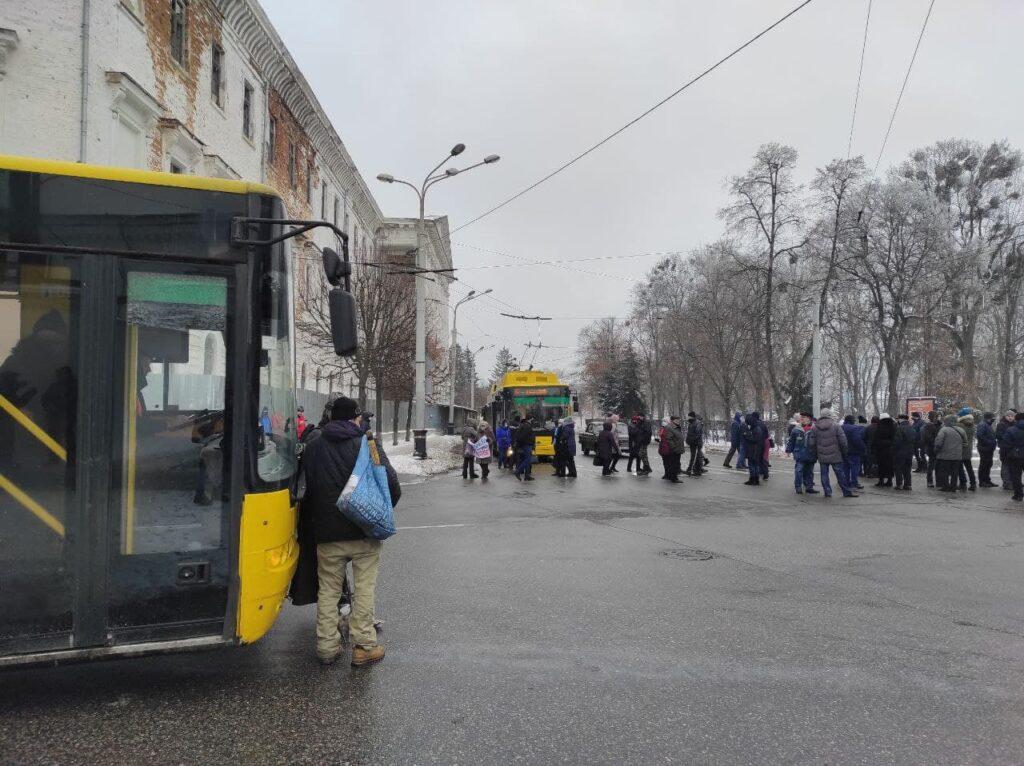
535	392
147	405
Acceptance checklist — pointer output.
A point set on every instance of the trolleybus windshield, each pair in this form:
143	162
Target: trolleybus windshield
546	404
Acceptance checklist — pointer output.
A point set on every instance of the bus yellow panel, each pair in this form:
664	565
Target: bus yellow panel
267	555
544	447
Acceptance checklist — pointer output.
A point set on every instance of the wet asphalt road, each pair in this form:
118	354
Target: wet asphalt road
542	623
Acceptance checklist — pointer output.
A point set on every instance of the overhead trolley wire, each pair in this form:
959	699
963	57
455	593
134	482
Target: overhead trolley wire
903	87
860	74
639	117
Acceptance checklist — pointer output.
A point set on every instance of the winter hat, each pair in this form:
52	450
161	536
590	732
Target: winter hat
884	415
963	411
344	408
861	419
1010	414
903	416
848	419
567	421
825	413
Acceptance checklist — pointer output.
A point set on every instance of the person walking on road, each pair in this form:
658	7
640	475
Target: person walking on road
695	441
640	440
734	441
928	434
986	436
673	445
525	440
484	448
565	449
828	443
904	447
469	438
965	419
803	458
1013	447
949	450
608	448
1005	422
754	435
855	448
503	437
328	462
881	447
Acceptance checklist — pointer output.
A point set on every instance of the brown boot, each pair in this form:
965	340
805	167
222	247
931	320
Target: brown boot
361	656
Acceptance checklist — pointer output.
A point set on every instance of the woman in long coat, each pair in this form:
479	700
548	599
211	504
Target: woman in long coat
492	444
607	448
881	446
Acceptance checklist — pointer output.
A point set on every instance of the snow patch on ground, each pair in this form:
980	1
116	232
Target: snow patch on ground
443	454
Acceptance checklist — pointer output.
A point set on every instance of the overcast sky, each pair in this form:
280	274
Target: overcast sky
539	81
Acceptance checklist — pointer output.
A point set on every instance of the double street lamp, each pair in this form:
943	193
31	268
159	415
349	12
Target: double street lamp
472	295
433	177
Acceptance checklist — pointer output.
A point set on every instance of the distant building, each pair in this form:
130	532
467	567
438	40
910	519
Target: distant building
203	87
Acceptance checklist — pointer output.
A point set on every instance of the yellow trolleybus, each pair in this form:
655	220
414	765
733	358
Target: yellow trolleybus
539	393
147	436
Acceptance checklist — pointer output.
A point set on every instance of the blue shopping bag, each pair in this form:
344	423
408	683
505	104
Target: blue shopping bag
366	499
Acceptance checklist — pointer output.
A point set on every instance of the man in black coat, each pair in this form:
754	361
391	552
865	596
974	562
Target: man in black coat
327	465
525	440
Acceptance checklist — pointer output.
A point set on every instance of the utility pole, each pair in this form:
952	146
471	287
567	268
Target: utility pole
420	410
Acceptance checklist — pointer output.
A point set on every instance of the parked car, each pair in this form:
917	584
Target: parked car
588	436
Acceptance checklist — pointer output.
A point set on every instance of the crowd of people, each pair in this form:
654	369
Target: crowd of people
891	450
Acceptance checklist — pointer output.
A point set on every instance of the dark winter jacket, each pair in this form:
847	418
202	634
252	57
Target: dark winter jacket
905	441
328	464
754	435
828	442
869	438
565	440
967	423
674	438
524	436
798	446
986	436
607	443
854	439
949	443
695	433
881	444
1013	440
645	434
734	430
928	434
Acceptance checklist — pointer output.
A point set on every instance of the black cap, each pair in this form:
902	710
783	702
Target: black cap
344	408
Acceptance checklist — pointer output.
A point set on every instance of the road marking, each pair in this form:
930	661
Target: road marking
435	526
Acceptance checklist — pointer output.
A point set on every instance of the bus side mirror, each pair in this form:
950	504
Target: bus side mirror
335	269
342	306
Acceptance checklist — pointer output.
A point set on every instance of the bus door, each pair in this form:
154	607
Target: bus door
115	469
40	362
170	508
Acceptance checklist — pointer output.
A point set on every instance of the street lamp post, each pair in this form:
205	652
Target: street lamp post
472	384
420	412
473	294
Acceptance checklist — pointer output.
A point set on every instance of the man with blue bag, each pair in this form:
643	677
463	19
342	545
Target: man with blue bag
351	490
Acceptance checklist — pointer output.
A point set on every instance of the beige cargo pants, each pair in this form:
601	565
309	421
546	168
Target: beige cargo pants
331	561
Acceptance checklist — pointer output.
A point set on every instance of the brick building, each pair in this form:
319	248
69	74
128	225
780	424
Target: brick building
204	87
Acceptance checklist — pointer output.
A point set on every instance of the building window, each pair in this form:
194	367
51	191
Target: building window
177	167
337	204
179	25
323	201
272	137
309	183
247	110
291	164
217	75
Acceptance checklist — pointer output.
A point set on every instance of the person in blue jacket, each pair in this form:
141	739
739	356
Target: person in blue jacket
735	443
1012	444
503	436
986	436
803	456
856	447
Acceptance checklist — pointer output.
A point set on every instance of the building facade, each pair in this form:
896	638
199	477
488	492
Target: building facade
205	87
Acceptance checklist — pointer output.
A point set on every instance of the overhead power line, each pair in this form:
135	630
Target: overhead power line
860	73
639	117
903	87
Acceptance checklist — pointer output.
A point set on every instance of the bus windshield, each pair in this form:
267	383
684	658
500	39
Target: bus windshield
547	405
